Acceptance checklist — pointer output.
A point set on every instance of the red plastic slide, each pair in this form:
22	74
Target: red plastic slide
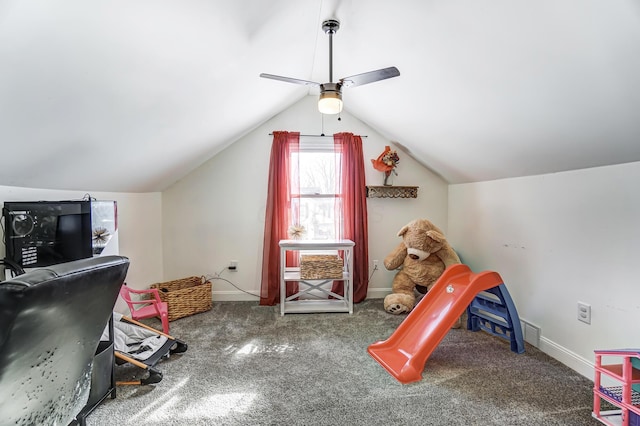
406	351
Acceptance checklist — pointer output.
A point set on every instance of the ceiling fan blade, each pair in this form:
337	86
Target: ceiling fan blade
370	77
289	79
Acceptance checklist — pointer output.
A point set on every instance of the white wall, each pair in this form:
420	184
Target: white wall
139	228
558	239
216	214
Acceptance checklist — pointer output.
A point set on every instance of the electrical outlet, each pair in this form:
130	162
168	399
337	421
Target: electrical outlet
233	265
375	264
584	312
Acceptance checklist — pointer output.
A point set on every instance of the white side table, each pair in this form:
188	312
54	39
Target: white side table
338	303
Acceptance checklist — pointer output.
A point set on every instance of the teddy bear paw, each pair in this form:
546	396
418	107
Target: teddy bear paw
397	309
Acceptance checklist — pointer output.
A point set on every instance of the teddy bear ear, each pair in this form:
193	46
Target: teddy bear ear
406	228
436	236
403	230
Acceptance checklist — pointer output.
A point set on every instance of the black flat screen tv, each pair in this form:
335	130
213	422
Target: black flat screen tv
43	233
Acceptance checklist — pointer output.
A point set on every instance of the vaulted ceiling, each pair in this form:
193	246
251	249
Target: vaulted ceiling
131	95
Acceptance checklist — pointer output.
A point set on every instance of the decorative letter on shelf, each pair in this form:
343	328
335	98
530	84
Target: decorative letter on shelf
392	191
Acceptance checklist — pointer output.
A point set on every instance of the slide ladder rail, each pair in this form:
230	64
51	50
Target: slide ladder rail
493	311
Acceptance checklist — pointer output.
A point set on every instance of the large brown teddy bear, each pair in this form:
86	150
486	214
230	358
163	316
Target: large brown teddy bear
424	253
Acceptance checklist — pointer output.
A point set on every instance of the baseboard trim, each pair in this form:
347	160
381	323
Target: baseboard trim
567	357
377	293
239	296
235	296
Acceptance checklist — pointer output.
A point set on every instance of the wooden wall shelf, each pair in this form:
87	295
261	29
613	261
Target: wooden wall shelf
392	191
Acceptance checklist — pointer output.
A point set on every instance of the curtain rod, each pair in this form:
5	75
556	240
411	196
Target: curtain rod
321	136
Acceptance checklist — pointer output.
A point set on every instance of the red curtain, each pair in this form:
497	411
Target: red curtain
354	210
282	210
278	212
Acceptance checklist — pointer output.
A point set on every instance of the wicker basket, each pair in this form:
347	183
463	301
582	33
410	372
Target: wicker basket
186	296
320	266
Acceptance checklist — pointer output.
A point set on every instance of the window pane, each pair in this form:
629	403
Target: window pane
317	173
317	215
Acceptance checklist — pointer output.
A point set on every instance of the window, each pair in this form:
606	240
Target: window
317	202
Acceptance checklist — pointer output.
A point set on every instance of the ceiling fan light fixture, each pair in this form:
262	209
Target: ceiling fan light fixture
330	102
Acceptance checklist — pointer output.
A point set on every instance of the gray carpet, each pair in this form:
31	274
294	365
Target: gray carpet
247	365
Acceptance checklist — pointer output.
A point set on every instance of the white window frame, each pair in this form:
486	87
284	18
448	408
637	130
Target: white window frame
316	145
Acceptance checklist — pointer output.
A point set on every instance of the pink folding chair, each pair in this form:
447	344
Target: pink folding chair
146	308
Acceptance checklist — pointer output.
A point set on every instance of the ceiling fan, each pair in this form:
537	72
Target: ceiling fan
330	101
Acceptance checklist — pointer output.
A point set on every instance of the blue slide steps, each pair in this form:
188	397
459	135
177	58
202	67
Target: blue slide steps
494	312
